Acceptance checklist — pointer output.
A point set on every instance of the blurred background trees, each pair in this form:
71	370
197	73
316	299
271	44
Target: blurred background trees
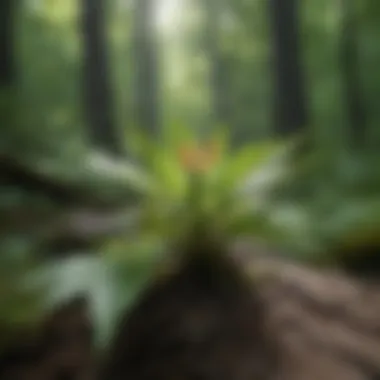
76	77
99	107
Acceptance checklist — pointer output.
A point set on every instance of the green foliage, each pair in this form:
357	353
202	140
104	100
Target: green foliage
335	200
203	180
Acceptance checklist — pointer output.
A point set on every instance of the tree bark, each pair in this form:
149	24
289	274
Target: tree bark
221	105
97	85
291	114
147	109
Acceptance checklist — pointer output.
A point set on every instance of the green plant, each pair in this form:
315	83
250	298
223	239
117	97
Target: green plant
196	197
186	182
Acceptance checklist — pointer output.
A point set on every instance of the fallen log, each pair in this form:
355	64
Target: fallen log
309	323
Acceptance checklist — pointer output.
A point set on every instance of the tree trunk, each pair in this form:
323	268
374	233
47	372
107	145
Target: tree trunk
357	119
291	114
7	64
97	86
147	107
221	107
8	74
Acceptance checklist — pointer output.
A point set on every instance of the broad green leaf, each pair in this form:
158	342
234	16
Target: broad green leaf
121	171
248	160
